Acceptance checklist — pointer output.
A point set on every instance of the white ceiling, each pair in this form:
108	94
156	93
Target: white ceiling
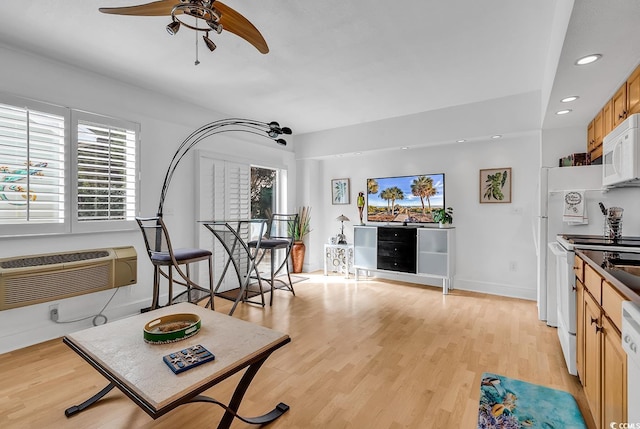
335	63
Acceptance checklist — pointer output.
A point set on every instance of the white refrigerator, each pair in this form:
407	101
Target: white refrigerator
549	223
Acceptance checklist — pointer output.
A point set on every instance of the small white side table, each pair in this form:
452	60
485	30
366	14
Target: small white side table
338	256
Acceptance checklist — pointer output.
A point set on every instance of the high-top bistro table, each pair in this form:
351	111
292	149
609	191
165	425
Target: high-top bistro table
234	236
118	351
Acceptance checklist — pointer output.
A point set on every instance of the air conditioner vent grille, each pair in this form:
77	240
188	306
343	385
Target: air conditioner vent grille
59	284
35	279
37	261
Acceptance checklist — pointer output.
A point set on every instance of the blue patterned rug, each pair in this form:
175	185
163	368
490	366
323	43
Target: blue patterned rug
506	403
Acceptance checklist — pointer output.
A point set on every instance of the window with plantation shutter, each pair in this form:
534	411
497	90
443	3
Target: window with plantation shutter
32	168
65	171
105	151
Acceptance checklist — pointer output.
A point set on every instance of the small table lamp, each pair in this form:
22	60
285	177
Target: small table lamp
341	237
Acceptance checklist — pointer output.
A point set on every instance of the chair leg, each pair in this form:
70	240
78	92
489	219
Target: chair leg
289	277
156	288
170	298
189	288
272	278
211	282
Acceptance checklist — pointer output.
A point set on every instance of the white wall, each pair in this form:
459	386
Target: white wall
164	124
490	237
561	142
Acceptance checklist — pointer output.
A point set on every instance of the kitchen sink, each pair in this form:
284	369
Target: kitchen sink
631	269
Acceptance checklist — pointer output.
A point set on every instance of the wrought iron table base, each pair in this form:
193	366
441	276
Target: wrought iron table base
231	410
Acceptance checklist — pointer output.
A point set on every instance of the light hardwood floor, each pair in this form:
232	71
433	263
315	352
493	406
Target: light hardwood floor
372	354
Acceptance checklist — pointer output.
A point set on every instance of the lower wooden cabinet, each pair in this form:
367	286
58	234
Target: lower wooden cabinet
614	375
592	356
602	363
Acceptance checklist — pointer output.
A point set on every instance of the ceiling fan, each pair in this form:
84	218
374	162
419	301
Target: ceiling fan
217	16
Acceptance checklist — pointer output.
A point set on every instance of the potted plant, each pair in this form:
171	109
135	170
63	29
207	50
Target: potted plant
300	229
443	216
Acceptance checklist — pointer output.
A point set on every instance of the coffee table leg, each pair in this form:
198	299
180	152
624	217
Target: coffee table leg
232	409
77	408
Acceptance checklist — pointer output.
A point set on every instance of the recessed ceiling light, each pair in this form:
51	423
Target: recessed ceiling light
569	99
563	112
460	141
497	136
588	59
404	147
358	153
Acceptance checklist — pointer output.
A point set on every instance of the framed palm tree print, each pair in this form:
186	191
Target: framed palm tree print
340	191
495	185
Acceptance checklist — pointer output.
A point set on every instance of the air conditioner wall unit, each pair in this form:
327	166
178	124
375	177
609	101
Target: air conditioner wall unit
34	279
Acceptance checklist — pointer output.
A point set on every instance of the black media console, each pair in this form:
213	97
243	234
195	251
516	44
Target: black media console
397	249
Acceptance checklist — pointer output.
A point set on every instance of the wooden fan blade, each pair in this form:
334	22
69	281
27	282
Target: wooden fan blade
156	8
237	24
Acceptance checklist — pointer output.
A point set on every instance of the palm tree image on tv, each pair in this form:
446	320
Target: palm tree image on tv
405	199
423	187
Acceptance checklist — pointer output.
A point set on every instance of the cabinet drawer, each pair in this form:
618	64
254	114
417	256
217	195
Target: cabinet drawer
578	268
407	235
396	248
593	283
612	303
397	264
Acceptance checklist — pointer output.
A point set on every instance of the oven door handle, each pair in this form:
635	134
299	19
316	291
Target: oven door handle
557	249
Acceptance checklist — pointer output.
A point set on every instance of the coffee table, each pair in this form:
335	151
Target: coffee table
118	351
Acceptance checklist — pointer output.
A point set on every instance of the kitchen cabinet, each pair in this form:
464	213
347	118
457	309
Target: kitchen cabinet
619	101
633	92
578	269
607	118
592	364
625	102
613	407
602	363
591	140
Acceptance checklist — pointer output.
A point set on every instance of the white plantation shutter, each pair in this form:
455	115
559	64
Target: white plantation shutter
223	194
105	172
63	170
32	168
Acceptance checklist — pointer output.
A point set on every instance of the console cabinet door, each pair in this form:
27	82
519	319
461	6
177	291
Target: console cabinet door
433	252
365	249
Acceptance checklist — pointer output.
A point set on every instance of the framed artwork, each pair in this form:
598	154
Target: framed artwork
340	191
495	185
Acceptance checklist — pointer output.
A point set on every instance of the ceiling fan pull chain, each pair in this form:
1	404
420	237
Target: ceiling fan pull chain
197	60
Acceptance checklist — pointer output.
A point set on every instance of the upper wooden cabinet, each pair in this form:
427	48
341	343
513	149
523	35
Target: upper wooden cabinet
591	140
625	102
607	118
597	130
620	105
633	92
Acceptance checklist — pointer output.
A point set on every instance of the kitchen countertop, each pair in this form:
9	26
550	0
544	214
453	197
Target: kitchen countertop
621	269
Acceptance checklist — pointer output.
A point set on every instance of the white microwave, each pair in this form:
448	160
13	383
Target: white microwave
621	154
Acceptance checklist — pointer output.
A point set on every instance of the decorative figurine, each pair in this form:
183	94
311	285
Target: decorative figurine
361	205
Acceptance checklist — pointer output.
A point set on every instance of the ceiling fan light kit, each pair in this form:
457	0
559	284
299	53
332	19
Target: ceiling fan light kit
217	18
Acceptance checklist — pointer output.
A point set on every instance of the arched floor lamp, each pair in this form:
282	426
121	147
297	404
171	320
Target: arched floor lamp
271	130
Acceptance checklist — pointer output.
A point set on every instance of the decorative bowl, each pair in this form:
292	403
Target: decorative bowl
171	328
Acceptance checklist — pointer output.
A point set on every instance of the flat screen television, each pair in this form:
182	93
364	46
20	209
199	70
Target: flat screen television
405	199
